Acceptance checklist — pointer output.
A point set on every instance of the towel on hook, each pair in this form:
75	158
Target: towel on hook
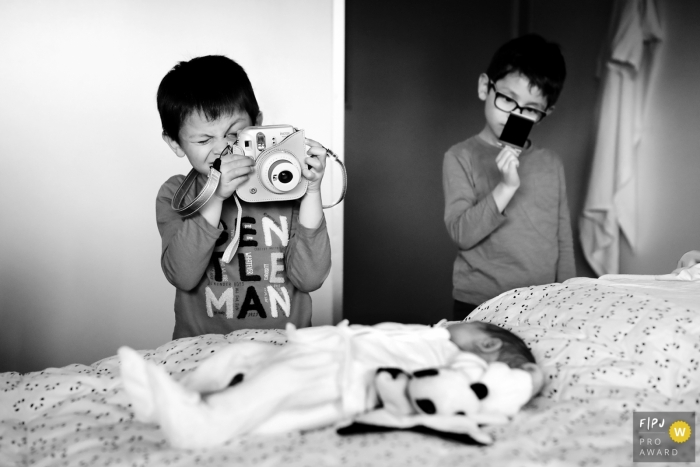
611	204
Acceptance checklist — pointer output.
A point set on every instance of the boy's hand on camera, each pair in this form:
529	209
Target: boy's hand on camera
314	165
507	162
235	170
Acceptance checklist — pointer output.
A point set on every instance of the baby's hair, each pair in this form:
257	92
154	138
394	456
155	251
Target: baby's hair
540	61
514	352
212	85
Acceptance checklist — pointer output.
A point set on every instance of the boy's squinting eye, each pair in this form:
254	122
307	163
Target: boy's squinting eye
204	141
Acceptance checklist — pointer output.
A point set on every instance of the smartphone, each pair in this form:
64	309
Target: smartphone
516	131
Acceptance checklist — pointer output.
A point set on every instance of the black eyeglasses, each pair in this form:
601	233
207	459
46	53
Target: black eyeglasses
507	104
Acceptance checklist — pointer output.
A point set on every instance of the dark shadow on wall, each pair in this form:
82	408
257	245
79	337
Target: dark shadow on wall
20	341
411	81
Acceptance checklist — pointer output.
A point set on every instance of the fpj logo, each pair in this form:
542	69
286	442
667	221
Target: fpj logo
663	437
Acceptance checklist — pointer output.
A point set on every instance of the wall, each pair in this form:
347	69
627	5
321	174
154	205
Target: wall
83	158
411	93
669	153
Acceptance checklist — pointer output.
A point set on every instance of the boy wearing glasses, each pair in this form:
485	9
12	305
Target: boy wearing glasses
506	209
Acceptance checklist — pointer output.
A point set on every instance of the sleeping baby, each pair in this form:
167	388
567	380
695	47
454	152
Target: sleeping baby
322	376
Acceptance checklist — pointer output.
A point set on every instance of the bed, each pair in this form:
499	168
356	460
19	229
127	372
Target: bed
608	346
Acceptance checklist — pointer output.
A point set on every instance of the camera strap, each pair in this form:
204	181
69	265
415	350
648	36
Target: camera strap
206	193
334	156
203	196
233	246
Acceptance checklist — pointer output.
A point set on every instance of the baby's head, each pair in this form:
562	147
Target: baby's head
203	103
496	344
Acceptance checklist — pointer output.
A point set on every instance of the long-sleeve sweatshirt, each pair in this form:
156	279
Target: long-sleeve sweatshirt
266	284
529	243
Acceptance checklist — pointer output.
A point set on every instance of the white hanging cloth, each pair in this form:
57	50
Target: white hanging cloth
611	201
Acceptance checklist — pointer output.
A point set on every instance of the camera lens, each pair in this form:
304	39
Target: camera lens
285	176
280	172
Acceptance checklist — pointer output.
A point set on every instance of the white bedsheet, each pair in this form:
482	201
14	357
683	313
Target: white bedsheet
682	287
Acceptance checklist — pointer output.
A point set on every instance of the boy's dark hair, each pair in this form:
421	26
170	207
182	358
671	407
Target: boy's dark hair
213	85
538	60
514	352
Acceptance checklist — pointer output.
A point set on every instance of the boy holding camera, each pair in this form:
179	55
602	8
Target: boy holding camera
507	209
283	251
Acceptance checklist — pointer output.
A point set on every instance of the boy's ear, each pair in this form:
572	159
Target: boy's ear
174	146
483	88
259	119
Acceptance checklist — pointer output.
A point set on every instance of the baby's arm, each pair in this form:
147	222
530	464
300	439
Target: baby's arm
443	323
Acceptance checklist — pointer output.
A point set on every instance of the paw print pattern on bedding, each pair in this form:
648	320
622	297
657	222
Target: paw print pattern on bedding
605	353
588	337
